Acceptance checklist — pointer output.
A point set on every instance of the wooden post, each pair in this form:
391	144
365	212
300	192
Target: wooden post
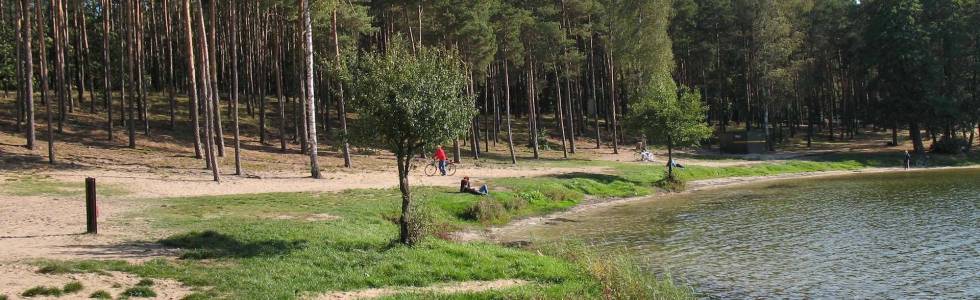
91	209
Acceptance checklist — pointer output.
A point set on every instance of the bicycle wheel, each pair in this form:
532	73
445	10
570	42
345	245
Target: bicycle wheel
430	170
450	169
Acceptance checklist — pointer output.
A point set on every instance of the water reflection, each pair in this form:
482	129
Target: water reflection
901	235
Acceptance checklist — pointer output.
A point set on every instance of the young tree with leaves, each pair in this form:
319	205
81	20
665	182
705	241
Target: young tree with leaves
407	103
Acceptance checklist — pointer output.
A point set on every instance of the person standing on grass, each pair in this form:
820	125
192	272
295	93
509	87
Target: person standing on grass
440	156
908	160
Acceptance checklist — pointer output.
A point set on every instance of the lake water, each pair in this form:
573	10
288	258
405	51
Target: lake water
880	236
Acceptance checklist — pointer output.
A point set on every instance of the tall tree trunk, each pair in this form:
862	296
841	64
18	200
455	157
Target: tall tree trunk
28	69
213	67
107	66
916	136
192	80
532	112
612	100
233	11
595	101
43	70
171	84
560	113
510	132
59	60
207	99
340	91
279	57
310	100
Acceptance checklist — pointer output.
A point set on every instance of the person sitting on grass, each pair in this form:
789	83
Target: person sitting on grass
646	155
465	187
672	163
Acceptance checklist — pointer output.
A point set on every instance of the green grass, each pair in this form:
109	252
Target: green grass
139	291
145	282
72	287
262	245
238	246
100	294
45	186
42	291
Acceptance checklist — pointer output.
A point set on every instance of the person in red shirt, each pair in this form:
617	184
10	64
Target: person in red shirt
441	157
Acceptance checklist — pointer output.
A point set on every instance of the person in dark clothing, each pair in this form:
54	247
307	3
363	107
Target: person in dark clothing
465	187
908	160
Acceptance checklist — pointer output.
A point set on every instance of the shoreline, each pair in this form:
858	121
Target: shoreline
492	234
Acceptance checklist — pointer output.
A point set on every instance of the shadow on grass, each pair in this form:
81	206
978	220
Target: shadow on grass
601	178
211	244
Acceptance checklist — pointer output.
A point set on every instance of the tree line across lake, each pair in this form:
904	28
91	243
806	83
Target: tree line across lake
598	68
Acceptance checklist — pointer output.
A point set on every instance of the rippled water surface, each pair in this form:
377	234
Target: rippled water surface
899	235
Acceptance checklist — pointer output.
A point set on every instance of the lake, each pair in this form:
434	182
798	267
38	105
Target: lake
882	235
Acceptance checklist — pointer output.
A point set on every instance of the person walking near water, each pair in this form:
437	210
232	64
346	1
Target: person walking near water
441	157
908	160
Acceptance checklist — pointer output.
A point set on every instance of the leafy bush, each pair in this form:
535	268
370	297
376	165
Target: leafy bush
42	291
420	224
139	291
620	274
145	282
950	146
487	211
673	184
514	203
100	294
72	287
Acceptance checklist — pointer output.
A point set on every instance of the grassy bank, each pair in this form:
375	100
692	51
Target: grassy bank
293	244
287	245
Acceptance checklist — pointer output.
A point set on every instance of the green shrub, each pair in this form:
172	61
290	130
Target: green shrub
145	282
72	287
100	294
950	146
196	296
620	274
420	224
42	291
139	291
514	203
673	184
3	297
487	211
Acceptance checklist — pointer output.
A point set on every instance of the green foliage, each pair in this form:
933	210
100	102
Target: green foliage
139	291
145	282
72	287
100	294
676	119
950	146
488	211
407	101
42	291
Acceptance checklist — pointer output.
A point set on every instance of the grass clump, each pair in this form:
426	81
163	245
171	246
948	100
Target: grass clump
620	274
140	292
42	291
672	184
488	211
72	287
100	294
3	297
145	282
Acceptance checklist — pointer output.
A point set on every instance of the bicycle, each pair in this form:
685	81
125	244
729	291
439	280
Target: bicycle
432	168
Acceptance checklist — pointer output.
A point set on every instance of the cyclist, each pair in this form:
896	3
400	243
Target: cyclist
440	156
